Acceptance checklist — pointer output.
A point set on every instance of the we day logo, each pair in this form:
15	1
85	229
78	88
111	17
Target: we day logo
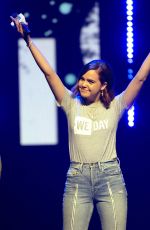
85	126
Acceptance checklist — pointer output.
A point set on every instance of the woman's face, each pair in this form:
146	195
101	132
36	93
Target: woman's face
90	86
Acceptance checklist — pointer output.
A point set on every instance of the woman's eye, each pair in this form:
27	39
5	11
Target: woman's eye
91	82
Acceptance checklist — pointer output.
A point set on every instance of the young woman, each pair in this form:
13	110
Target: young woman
93	113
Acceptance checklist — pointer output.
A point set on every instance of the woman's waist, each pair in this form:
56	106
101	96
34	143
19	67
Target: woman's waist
97	163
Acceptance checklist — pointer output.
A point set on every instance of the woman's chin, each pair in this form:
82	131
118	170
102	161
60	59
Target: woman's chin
84	94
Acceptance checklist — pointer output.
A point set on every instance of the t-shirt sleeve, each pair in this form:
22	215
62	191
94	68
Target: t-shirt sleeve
120	105
67	101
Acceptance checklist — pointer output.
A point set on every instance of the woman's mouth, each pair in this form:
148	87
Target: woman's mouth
84	90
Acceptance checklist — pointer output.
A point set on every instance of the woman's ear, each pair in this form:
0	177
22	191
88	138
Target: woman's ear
104	86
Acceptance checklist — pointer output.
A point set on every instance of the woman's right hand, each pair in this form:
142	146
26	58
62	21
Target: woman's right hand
18	25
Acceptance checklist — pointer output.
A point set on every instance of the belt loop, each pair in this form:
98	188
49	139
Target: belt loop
81	167
118	161
99	165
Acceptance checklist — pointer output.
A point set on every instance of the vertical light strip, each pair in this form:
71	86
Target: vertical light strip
130	52
37	107
89	35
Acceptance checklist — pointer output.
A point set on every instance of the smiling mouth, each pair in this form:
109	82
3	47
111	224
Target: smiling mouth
83	90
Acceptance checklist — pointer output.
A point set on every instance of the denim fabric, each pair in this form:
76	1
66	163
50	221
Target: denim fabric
99	183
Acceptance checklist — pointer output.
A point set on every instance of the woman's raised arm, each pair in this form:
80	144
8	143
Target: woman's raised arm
52	78
136	84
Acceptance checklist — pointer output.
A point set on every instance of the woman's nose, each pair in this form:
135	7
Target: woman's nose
84	84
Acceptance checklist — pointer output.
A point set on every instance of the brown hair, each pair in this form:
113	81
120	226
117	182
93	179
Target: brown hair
105	76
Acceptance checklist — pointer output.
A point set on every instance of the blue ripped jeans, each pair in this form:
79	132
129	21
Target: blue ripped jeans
99	183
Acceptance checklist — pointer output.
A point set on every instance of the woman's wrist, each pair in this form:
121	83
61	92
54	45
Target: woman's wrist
29	43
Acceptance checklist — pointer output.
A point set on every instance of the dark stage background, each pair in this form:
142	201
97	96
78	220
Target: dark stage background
33	177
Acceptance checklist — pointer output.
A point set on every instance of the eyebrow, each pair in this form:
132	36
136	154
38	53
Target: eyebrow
88	79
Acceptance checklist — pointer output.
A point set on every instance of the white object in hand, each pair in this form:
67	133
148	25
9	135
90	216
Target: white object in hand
21	18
